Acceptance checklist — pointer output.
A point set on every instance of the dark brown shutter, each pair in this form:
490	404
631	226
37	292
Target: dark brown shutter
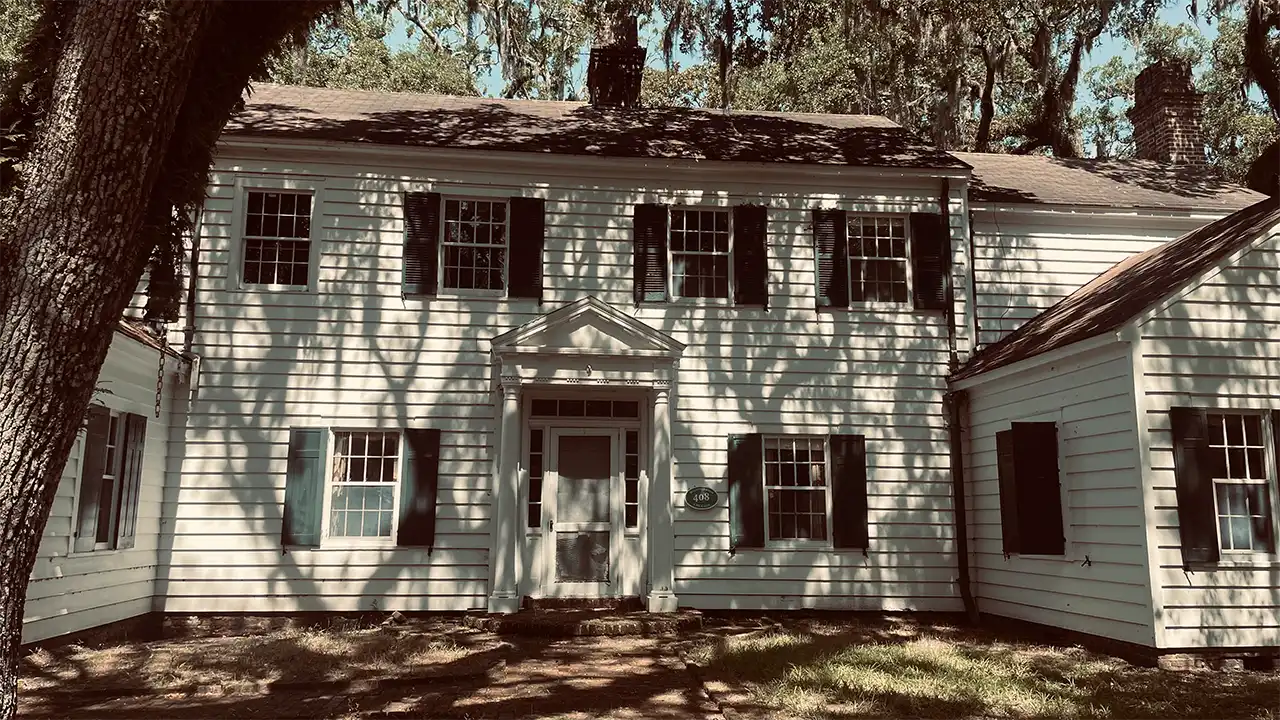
746	492
849	492
1197	518
418	488
304	487
421	242
528	235
650	252
831	252
930	261
135	436
92	465
750	255
1008	492
1035	462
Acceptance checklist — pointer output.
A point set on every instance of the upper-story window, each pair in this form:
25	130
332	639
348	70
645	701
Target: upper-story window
878	259
701	244
277	239
473	246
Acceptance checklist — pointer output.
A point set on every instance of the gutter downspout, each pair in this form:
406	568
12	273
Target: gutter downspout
189	330
955	404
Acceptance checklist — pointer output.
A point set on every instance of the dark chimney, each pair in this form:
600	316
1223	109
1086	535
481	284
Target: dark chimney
615	69
1166	115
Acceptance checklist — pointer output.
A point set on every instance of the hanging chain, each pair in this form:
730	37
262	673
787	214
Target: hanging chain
164	346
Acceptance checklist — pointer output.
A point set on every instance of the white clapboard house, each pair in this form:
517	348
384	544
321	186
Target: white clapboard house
454	353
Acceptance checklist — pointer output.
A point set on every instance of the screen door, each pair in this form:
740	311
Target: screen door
584	518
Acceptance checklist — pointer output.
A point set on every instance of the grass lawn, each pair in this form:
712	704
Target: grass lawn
903	669
337	653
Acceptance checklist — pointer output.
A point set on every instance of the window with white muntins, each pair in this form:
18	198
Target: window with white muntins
277	239
701	246
474	244
797	494
364	484
879	267
1242	483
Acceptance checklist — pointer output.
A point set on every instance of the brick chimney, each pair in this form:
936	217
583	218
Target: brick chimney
1166	115
616	68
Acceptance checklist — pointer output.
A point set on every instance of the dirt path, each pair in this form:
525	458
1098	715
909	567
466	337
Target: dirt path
530	678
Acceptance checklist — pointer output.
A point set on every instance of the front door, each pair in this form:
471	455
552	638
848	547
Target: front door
583	500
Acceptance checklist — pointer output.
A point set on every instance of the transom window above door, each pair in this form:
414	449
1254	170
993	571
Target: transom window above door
700	243
473	245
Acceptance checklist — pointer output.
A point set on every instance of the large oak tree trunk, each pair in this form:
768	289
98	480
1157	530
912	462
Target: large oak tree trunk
70	255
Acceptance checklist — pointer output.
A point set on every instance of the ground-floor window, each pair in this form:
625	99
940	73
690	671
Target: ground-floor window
1241	481
797	495
364	482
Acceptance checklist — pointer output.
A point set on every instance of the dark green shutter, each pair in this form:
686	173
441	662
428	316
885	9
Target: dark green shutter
930	261
831	252
750	255
418	488
135	437
421	242
1197	518
1008	492
92	465
1035	462
849	492
650	252
304	487
746	492
528	235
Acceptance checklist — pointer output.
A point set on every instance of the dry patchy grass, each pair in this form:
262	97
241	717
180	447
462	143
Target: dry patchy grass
300	655
826	670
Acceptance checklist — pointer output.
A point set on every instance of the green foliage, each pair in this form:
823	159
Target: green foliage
351	51
17	17
1237	125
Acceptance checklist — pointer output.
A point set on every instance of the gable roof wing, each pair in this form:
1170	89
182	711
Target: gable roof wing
542	126
1122	293
1043	180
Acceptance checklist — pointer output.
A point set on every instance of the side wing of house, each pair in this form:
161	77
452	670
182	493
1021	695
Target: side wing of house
97	559
1054	484
1212	385
1028	257
308	356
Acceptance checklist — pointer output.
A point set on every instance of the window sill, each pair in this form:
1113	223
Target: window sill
96	552
882	307
800	545
289	289
1257	562
1050	558
356	544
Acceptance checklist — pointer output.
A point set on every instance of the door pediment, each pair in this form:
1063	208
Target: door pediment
588	327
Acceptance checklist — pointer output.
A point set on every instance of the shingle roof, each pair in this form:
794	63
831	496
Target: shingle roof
540	126
1107	183
138	330
1121	293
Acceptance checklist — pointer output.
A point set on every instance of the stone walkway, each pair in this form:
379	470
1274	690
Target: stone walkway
621	677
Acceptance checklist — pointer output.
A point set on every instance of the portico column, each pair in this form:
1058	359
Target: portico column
662	597
502	556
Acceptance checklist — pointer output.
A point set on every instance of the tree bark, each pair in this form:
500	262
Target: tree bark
70	254
987	112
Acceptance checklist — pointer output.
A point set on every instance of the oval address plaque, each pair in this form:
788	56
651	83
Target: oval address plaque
701	498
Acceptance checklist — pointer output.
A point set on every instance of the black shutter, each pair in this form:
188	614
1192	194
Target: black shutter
304	487
849	492
135	436
831	253
1197	518
92	465
1008	492
746	492
421	241
418	488
751	255
1035	463
528	234
650	250
930	260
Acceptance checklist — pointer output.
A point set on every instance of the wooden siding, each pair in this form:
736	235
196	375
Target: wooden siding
72	591
1099	586
1025	262
356	354
1217	346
